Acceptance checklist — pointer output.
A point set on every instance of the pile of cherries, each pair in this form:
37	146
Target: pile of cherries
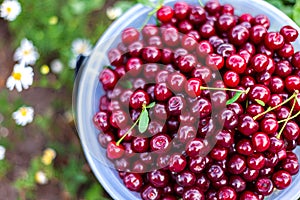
225	119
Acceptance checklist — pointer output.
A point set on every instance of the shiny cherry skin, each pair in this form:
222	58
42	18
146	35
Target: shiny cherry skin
138	99
236	63
187	63
257	34
256	161
130	35
114	151
108	78
292	83
244	147
281	179
269	125
150	192
133	182
237	183
161	92
236	164
231	79
259	62
176	105
177	163
192	87
151	55
186	178
260	141
181	10
193	193
248	195
204	48
227	193
165	14
274	40
260	92
158	178
289	33
247	125
238	35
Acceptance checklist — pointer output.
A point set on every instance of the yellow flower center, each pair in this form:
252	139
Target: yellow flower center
8	9
17	75
23	111
26	52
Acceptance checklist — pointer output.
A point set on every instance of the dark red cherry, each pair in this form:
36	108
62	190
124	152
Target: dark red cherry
133	182
165	14
151	54
236	63
192	87
264	186
274	40
114	151
260	141
236	164
193	193
187	63
262	20
161	92
289	33
286	51
259	92
245	147
176	105
130	35
204	73
150	193
181	10
197	15
204	48
227	193
225	22
259	62
238	35
115	57
177	163
269	125
281	179
215	61
108	79
149	31
207	30
256	161
101	121
158	178
231	79
292	83
247	125
138	99
257	34
170	37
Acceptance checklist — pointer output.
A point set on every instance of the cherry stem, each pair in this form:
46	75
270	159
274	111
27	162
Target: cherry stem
289	116
294	116
150	14
132	127
224	89
270	109
201	3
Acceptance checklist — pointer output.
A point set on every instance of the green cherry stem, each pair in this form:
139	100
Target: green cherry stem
273	108
150	14
289	116
201	3
132	127
224	89
292	117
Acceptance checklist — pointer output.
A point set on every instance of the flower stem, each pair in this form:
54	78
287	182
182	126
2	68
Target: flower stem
223	89
270	109
289	116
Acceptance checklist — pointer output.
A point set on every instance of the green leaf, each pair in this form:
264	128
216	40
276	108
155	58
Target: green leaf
151	105
296	12
126	84
260	102
144	121
160	2
146	3
234	98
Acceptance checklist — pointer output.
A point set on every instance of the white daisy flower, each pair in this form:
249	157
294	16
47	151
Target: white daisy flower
56	66
113	12
2	152
21	77
10	9
81	46
41	178
26	53
23	115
